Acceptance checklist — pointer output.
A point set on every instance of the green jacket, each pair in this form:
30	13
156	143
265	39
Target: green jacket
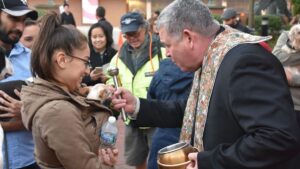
136	74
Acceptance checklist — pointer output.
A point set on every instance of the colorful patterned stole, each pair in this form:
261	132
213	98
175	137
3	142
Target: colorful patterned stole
204	79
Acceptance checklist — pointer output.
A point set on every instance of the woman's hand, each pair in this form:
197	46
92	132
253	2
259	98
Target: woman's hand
109	156
104	78
95	75
98	75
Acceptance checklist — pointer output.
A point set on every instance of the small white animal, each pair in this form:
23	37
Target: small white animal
293	44
99	92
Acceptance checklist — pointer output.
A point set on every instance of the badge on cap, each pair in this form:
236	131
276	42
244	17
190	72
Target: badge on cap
24	2
127	21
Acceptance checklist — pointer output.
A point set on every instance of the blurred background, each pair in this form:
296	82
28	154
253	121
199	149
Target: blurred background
277	14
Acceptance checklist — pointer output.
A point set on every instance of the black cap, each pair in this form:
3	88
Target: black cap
131	22
18	8
228	13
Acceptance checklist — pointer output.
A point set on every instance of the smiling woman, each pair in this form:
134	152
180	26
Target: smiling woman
100	42
66	119
52	58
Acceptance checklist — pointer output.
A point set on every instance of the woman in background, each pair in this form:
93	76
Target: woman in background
64	124
100	42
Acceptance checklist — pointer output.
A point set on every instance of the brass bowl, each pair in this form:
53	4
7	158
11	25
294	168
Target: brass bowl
175	154
173	166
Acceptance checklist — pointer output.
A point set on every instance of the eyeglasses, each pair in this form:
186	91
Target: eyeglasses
87	63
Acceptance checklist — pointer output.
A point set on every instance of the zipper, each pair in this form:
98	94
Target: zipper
132	84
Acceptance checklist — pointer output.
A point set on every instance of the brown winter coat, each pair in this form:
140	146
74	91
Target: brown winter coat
64	125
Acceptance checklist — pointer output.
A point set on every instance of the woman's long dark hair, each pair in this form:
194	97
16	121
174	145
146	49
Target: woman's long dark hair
108	36
53	36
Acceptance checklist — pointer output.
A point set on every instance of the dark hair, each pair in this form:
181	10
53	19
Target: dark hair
108	36
55	37
157	12
100	11
30	22
66	4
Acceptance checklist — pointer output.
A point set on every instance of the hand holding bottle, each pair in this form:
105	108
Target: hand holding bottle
109	156
108	137
109	132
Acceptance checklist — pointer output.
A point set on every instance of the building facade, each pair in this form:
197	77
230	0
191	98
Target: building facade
84	10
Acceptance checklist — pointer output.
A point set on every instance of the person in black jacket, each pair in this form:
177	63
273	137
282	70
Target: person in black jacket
100	42
229	17
100	15
239	113
67	17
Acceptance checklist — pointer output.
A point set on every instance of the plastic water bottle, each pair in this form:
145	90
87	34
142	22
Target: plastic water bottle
109	132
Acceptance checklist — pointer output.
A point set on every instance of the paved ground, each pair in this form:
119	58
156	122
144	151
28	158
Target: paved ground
120	145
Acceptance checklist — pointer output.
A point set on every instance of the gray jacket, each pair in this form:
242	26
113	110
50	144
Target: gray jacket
289	60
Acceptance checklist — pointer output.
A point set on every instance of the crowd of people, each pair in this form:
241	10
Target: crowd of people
184	77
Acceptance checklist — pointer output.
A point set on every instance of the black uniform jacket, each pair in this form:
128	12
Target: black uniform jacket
251	123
